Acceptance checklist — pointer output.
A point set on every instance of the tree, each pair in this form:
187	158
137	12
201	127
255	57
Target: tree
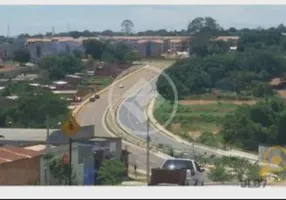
58	66
261	89
111	172
22	56
196	25
127	26
58	170
78	53
32	107
131	56
206	27
94	48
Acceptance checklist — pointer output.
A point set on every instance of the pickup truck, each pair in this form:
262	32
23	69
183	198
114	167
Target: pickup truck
178	171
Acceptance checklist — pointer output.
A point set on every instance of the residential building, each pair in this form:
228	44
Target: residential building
19	166
150	48
7	49
53	46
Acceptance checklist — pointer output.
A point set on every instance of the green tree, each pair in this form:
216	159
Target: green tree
58	66
131	56
127	26
32	107
94	48
22	56
59	170
261	89
111	172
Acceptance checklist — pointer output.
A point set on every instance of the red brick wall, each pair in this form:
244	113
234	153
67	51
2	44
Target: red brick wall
20	172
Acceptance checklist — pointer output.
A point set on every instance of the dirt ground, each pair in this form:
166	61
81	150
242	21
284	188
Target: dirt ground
205	102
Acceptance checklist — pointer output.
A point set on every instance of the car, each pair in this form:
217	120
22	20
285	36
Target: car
96	96
195	174
121	86
92	99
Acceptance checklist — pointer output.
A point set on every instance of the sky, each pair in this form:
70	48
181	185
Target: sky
41	19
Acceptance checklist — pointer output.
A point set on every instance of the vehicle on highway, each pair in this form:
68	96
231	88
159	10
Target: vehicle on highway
178	171
94	97
121	86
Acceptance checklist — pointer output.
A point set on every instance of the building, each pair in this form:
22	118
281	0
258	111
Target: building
87	157
23	137
19	166
73	79
7	49
150	48
53	46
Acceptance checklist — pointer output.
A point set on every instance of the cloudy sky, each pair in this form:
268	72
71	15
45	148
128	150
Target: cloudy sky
41	19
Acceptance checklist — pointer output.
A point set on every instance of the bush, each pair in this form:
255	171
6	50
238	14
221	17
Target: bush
111	172
219	174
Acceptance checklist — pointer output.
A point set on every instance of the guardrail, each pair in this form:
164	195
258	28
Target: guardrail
82	104
114	127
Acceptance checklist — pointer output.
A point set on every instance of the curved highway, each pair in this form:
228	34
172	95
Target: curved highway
93	113
134	119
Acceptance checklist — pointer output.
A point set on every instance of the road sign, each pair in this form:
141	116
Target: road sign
70	127
65	159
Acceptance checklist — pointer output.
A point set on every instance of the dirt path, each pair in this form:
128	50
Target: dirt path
205	102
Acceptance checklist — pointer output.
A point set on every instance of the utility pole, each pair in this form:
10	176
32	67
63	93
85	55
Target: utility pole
47	149
148	150
194	153
70	161
8	31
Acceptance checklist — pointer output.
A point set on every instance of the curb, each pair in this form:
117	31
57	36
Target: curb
82	104
141	144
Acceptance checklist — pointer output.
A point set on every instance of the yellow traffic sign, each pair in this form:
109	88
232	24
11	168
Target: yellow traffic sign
70	127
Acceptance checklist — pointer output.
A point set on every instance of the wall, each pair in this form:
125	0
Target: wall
20	172
82	156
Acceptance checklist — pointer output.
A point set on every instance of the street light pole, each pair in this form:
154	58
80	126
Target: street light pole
148	150
47	150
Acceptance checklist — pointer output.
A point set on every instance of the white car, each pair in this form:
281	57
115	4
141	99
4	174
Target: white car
121	86
195	175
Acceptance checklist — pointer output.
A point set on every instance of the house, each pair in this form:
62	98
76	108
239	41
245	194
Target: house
73	79
19	166
1	63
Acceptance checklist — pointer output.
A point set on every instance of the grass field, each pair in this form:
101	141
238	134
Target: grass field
195	117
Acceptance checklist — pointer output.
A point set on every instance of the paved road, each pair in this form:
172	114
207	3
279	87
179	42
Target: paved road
92	113
134	118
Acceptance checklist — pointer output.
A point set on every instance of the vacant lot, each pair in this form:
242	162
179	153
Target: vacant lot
196	116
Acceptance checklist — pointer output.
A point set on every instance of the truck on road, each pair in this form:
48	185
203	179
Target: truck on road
178	171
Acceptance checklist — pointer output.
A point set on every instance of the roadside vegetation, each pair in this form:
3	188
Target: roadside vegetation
245	110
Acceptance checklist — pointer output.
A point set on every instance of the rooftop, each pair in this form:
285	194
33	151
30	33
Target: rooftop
60	82
24	134
64	91
226	38
11	153
73	76
38	147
